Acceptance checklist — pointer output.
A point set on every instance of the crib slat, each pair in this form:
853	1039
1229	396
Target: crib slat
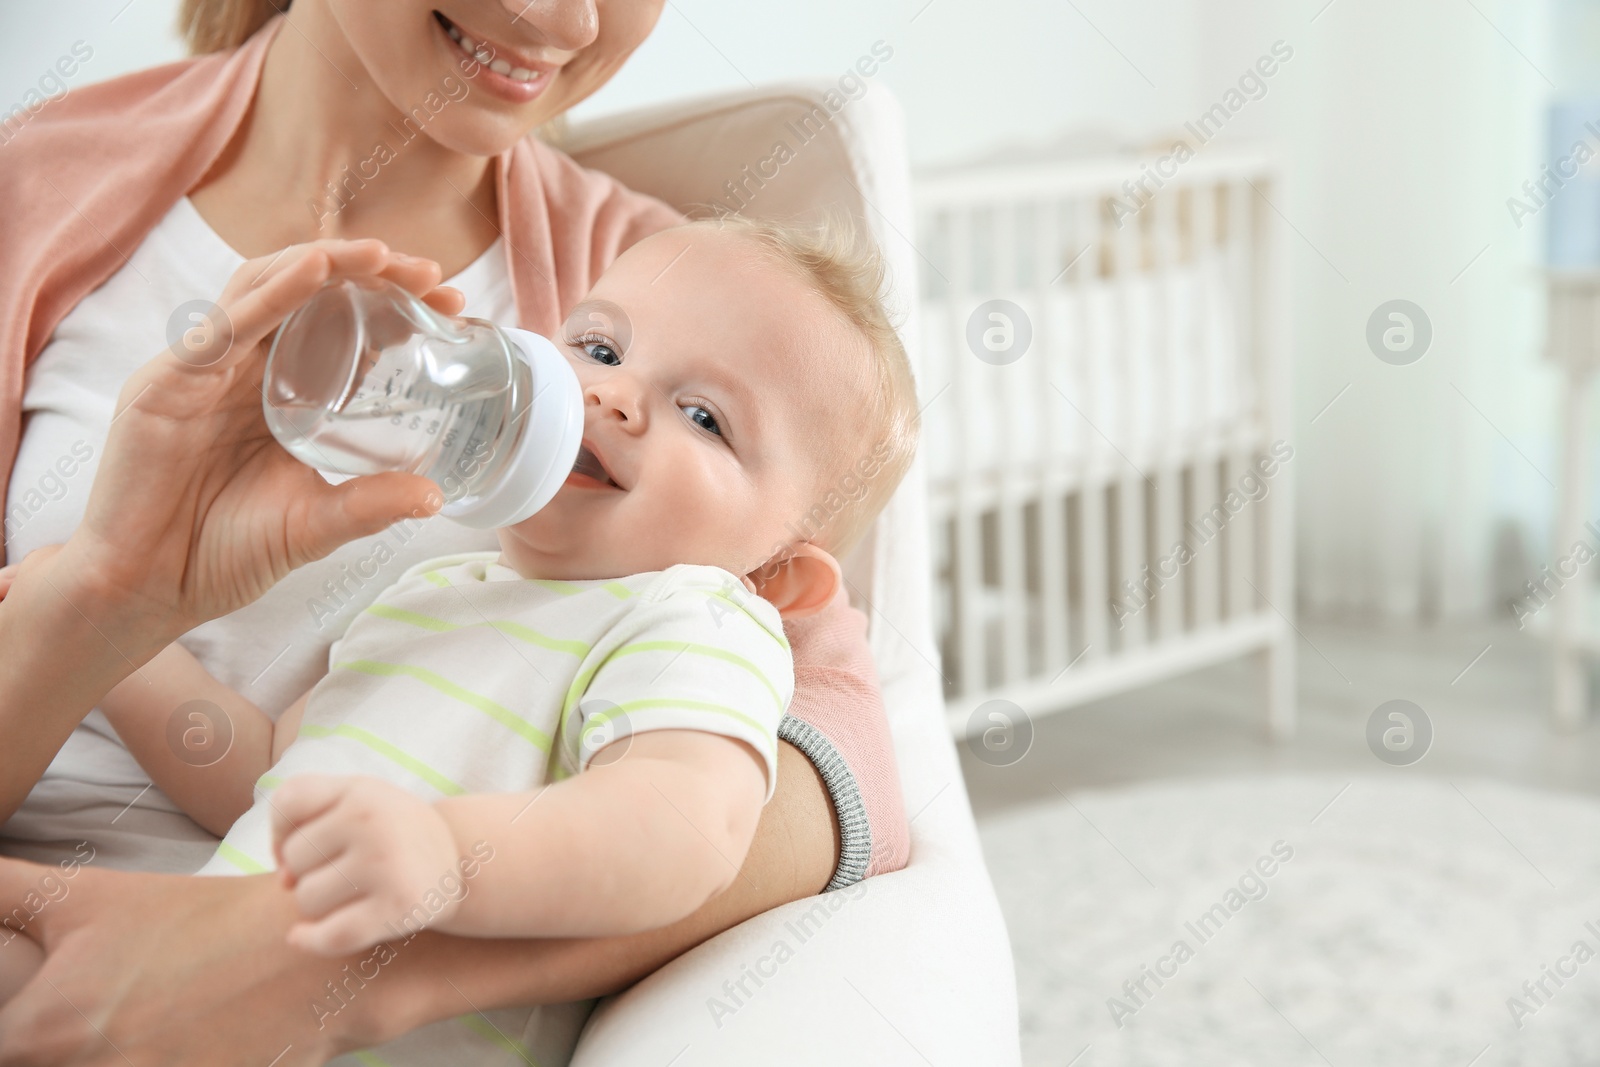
1260	304
1011	392
1205	489
1205	483
1053	359
1095	566
971	607
1268	301
1168	525
1092	549
1131	585
1248	374
1242	580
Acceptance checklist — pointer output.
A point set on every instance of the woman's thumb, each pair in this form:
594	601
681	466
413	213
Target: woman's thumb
363	506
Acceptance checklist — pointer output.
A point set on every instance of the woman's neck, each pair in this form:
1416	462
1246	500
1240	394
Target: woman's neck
322	153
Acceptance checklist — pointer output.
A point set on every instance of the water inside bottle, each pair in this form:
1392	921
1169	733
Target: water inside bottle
447	403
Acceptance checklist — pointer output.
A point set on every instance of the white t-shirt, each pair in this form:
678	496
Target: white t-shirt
270	651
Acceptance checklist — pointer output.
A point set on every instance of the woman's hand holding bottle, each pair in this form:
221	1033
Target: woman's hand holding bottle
196	510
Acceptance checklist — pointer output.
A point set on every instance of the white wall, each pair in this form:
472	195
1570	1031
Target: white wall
972	75
124	36
1405	127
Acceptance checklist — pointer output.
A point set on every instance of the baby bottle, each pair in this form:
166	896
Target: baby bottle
367	378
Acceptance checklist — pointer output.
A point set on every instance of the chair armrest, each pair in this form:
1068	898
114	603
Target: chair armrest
915	960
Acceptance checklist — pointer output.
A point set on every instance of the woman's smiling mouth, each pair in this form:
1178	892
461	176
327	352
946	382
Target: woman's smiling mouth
503	71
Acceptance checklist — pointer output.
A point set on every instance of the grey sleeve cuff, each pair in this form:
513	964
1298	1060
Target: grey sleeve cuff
855	831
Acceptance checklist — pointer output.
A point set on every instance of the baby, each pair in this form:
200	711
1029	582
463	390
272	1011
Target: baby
574	737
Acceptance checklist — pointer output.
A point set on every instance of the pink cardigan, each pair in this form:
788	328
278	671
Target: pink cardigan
87	179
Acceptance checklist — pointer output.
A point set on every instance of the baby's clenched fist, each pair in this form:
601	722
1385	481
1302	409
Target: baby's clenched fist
365	860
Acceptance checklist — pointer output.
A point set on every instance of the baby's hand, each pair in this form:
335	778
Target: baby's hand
361	856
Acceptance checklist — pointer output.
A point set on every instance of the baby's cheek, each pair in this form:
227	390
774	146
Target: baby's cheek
717	532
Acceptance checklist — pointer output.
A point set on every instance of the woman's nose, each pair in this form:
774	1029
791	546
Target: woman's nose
617	395
570	25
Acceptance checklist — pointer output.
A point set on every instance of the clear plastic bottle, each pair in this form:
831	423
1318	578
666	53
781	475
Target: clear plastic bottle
366	378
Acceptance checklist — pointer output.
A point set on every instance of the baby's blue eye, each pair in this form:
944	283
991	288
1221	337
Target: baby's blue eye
601	352
702	418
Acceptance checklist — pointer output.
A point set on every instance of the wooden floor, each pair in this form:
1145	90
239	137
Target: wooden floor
1489	714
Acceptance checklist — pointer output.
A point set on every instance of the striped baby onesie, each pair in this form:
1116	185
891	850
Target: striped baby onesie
464	677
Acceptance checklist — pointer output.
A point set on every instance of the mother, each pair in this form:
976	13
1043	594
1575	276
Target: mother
133	201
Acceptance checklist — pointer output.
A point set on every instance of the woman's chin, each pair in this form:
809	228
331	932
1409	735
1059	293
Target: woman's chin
480	131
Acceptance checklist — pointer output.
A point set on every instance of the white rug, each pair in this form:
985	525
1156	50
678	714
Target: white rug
1411	911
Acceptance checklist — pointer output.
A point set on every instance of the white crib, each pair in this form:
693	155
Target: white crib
1155	378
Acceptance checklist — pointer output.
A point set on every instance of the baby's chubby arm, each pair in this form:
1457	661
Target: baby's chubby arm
658	824
143	709
167	713
174	716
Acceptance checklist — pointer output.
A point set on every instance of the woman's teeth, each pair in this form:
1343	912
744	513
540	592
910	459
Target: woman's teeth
481	51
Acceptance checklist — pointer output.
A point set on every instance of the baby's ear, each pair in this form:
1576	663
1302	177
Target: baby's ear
801	584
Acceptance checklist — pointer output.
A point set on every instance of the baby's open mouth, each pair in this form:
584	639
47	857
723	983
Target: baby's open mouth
589	464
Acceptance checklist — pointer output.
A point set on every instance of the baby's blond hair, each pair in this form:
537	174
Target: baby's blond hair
838	262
